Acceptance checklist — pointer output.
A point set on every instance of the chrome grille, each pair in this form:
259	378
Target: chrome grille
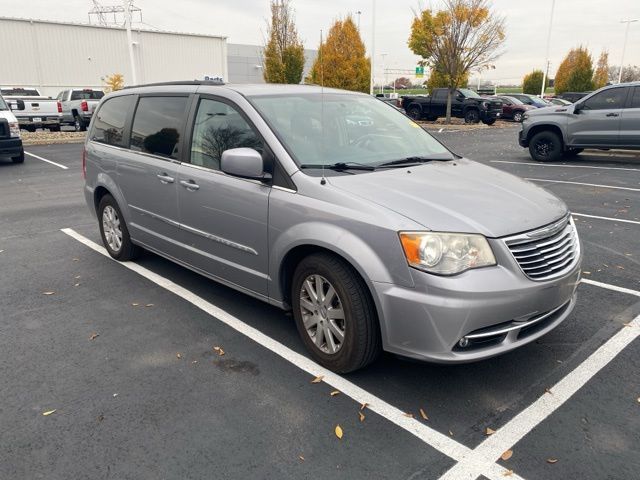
548	252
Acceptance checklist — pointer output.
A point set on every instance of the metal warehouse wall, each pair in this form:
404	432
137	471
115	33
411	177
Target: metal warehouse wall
245	63
55	56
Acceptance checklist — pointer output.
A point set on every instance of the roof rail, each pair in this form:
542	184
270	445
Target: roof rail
179	82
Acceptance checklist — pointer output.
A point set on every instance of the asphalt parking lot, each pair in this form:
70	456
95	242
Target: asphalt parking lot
124	354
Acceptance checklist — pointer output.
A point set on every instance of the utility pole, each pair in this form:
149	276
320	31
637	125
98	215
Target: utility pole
384	74
358	13
127	22
624	46
373	45
544	75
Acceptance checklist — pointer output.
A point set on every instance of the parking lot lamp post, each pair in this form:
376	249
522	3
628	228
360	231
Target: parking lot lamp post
127	21
624	46
373	45
544	75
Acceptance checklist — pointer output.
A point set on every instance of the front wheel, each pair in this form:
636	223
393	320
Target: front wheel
414	112
518	117
114	232
334	313
19	158
489	121
471	116
546	147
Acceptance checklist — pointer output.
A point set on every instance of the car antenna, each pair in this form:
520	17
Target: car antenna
323	180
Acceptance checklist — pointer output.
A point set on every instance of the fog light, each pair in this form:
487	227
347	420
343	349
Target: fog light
464	342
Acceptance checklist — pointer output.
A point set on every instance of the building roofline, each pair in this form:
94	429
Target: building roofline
136	29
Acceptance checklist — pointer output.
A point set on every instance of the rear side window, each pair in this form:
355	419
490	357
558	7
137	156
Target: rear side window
108	126
86	95
635	100
440	95
157	125
606	100
219	127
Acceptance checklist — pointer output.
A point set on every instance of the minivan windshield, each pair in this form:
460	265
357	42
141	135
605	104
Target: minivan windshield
333	128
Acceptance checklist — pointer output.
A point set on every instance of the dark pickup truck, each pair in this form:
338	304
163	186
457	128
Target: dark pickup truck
465	104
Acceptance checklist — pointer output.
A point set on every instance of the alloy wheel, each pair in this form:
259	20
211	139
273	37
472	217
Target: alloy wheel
111	228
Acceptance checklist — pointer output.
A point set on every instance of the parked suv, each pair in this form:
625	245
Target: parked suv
77	106
337	207
605	119
10	142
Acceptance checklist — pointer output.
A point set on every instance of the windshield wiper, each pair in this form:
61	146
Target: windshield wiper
403	162
339	166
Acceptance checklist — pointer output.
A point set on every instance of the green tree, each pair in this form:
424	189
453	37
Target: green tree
575	73
341	60
283	58
532	82
601	75
438	80
463	37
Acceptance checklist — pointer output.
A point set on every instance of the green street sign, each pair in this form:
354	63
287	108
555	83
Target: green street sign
419	72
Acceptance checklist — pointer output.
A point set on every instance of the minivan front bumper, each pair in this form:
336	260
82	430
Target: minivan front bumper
496	309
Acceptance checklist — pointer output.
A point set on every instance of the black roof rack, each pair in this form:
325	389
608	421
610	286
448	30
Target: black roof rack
179	82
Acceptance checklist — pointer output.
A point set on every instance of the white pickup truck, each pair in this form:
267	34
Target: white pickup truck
77	106
32	109
10	142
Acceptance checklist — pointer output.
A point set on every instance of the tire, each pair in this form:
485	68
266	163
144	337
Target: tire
123	250
545	146
518	117
360	344
489	122
30	128
431	118
471	116
414	112
572	152
19	158
79	124
54	129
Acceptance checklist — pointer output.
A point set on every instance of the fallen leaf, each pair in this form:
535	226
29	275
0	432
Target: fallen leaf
49	412
135	304
48	293
338	431
178	356
1	251
301	457
406	414
76	284
489	431
552	460
115	395
77	277
363	405
75	259
219	350
149	305
94	336
100	417
423	415
450	433
361	416
195	361
507	473
620	267
638	397
548	390
506	455
334	393
583	272
627	324
318	379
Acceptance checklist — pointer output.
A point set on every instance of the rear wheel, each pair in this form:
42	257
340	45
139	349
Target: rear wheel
55	128
19	158
114	232
414	112
546	147
471	116
334	313
489	121
79	124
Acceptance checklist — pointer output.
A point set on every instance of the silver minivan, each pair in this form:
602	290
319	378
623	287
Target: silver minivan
338	207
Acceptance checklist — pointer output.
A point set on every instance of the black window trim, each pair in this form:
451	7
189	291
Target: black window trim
634	90
128	122
623	104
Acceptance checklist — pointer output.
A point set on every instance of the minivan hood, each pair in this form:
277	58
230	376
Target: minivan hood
457	196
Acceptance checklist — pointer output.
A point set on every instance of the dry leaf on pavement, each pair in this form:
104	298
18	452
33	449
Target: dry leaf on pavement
506	455
48	293
507	473
489	431
300	456
450	433
338	431
94	336
136	304
407	414
149	305
48	412
423	414
363	405
219	351
178	356
361	415
334	393
318	379
552	460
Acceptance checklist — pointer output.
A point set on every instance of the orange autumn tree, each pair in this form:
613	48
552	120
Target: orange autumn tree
464	36
113	82
575	73
601	75
341	60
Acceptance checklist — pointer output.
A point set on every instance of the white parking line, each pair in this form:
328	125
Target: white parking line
565	166
45	160
610	219
585	184
610	287
431	437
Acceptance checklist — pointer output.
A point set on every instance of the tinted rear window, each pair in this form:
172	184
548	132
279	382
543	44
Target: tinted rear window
157	125
108	126
635	100
16	92
86	95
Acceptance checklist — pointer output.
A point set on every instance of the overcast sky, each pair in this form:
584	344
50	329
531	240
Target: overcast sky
593	23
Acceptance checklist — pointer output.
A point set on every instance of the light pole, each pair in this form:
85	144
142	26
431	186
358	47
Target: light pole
127	22
358	13
546	63
373	45
384	75
624	46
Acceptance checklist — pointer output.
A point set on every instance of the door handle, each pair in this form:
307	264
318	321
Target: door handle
612	114
190	185
164	178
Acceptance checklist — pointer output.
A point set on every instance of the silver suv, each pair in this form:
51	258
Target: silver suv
607	118
337	206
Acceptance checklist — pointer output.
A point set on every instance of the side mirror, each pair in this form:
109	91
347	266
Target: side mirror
244	163
578	107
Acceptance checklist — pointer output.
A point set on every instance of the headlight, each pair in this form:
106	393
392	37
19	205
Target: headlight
446	253
14	129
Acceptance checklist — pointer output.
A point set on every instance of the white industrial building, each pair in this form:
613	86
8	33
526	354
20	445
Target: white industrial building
54	56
